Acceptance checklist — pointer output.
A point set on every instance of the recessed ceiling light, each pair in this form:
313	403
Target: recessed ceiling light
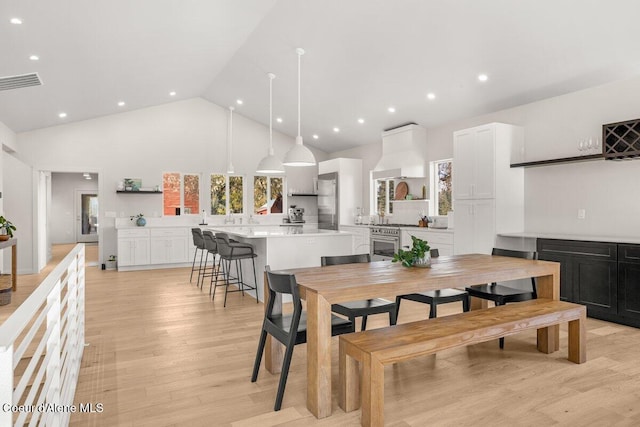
16	21
86	174
336	129
62	115
483	77
361	121
391	109
279	119
239	101
121	104
431	96
34	57
315	136
172	93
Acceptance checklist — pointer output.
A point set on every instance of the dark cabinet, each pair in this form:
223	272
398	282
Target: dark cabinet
588	274
629	281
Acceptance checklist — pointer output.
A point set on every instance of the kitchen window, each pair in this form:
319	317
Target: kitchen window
268	194
227	194
441	172
181	193
384	189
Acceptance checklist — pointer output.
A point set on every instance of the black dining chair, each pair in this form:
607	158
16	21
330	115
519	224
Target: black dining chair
433	298
500	293
198	242
289	329
362	308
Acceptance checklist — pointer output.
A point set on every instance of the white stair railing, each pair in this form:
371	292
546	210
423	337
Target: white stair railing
41	346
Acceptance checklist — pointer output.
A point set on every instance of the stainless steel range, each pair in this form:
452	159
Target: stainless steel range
385	241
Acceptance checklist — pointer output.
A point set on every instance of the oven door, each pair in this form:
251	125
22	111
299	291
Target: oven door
383	247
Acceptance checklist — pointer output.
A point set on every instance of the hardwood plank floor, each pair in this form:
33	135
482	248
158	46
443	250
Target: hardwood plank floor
162	353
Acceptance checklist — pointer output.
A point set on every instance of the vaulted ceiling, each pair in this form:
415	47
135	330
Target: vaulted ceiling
362	57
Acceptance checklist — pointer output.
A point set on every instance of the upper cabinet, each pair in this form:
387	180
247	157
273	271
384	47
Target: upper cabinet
482	158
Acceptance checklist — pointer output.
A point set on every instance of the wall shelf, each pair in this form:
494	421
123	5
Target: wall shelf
302	195
574	159
409	200
138	192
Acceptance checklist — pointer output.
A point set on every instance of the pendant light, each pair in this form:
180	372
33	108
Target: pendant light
270	164
299	155
230	141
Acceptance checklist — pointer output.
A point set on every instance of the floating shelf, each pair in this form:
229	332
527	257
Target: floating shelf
138	192
574	159
303	195
409	200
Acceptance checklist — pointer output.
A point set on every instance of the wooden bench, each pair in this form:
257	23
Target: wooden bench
379	347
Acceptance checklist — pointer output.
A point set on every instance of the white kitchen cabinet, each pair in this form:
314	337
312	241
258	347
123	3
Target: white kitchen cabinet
361	238
438	239
488	195
133	247
169	245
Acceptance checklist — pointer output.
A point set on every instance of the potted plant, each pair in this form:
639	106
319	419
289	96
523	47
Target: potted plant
6	228
140	221
419	255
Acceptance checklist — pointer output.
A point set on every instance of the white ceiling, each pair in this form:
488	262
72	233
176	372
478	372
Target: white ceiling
362	57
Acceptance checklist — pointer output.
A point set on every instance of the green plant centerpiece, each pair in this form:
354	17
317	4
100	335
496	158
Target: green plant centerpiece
140	221
419	255
6	228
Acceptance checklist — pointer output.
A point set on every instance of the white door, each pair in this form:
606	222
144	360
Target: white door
86	216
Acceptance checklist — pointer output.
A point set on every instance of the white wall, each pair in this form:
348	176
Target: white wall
184	136
608	191
63	204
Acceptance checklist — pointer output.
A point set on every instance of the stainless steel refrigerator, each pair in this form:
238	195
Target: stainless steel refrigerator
328	209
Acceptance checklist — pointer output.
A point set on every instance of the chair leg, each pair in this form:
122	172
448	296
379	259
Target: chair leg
215	285
200	267
393	316
398	299
363	327
433	309
283	376
465	303
193	264
255	278
352	319
204	273
227	271
256	364
501	340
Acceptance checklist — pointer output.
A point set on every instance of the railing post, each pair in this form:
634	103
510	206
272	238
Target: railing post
6	384
53	348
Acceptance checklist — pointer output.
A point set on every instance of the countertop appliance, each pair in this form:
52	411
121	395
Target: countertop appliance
296	215
328	204
385	241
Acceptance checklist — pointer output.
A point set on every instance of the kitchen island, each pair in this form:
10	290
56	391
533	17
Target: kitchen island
284	247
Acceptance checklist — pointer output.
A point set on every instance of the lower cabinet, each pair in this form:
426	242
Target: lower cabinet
361	238
133	247
440	240
605	277
152	246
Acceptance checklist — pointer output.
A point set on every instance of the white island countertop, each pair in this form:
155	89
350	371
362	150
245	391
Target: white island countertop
261	232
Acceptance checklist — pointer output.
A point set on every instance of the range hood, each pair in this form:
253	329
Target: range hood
403	153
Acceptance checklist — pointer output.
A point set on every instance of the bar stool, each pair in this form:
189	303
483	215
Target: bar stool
234	252
212	249
198	242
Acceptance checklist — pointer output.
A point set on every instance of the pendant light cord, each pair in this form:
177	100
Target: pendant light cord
271	77
230	141
300	52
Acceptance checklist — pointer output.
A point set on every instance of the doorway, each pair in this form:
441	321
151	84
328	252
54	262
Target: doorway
86	216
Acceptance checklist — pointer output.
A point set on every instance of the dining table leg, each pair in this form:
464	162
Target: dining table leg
318	355
549	287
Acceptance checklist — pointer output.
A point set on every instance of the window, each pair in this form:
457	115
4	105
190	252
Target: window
441	171
384	189
267	194
227	188
181	193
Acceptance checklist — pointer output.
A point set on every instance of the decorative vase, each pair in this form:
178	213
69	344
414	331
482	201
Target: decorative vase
423	262
4	237
141	222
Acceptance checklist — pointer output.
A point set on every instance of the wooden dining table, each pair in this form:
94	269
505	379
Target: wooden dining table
323	286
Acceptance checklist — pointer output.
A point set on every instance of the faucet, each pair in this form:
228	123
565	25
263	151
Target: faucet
229	220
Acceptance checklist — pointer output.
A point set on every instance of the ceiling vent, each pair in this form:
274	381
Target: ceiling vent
17	82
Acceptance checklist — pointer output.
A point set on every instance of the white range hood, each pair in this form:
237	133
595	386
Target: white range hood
403	153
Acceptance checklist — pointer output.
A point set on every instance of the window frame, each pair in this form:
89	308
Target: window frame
227	177
374	190
434	175
284	193
182	198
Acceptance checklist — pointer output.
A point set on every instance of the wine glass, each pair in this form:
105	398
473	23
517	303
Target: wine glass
589	144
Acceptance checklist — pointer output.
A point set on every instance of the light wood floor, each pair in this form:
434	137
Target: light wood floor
162	354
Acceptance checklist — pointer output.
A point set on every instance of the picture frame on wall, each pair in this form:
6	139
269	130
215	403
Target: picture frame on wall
132	184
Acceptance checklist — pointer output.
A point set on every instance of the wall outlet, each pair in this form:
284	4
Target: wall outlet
582	213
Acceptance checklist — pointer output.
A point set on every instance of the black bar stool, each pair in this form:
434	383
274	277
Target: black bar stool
198	242
212	249
234	252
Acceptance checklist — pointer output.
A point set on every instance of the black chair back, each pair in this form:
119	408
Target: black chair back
344	259
210	242
198	239
434	253
283	284
519	254
222	240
